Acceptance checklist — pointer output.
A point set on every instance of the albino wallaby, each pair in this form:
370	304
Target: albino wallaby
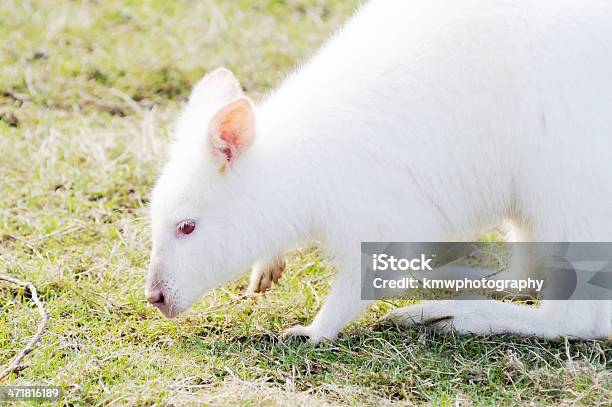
418	121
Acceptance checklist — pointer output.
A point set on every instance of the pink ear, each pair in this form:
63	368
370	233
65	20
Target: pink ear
232	129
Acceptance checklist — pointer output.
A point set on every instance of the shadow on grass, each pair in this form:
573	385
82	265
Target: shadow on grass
415	364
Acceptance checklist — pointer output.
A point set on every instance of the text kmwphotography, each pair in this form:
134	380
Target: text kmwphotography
519	286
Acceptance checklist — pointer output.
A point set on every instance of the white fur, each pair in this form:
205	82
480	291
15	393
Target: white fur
420	120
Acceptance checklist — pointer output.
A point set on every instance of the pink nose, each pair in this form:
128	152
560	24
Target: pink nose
155	296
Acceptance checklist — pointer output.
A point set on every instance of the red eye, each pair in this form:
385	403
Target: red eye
186	227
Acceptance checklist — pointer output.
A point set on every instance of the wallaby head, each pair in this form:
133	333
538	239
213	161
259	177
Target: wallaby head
197	205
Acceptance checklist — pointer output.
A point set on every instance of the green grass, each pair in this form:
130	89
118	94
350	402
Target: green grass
88	93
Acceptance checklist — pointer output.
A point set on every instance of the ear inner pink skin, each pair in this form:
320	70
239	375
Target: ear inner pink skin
233	144
232	130
227	152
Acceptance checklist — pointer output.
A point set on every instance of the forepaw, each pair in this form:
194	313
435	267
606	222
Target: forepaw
264	274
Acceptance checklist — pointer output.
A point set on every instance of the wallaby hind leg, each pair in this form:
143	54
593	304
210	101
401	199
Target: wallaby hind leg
584	319
552	320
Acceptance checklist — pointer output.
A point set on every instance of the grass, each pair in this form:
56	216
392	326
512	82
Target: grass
88	93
